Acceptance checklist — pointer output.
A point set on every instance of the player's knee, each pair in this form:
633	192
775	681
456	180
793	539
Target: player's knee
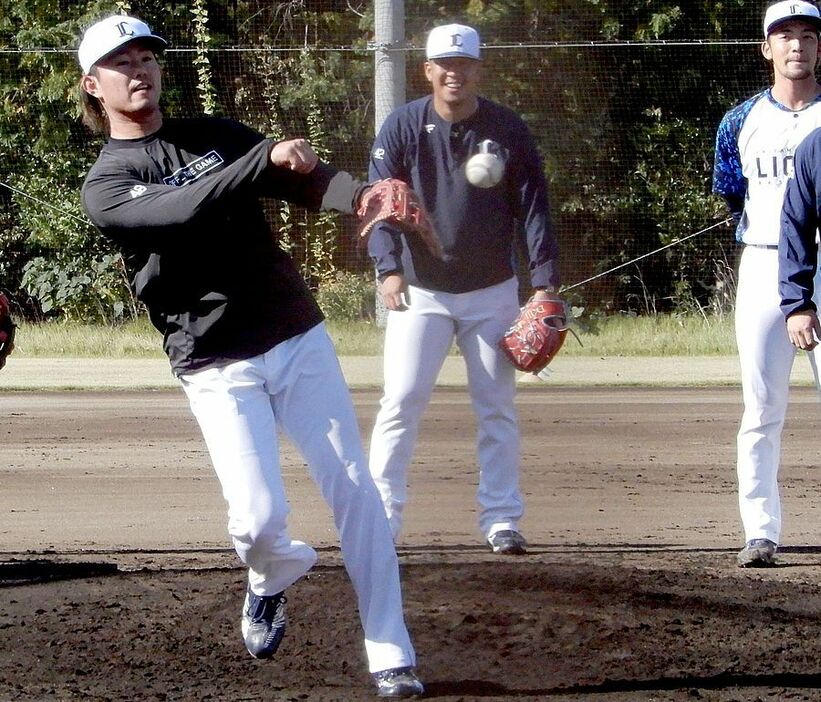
263	524
405	406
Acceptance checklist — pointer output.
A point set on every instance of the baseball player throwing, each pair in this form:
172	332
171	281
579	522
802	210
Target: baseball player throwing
243	333
753	164
471	293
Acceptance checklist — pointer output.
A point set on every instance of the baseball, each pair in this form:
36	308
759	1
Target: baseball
484	170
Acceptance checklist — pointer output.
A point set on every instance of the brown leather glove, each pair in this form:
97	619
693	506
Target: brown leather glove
392	200
537	334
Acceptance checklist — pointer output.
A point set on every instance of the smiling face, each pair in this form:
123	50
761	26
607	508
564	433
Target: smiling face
793	49
128	84
455	83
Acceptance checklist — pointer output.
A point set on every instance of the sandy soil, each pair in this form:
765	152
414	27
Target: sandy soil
117	583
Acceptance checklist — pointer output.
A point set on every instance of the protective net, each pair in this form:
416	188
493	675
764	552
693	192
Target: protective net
623	97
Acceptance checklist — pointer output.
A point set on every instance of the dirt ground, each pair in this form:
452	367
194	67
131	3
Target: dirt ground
117	582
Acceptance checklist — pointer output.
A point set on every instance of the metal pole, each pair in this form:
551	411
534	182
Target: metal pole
389	77
389	57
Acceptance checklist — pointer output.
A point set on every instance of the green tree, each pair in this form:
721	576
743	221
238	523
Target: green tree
50	250
623	105
626	125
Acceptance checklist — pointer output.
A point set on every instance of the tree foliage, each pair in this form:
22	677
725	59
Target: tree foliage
629	169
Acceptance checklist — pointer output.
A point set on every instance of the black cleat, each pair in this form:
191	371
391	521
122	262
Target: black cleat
263	623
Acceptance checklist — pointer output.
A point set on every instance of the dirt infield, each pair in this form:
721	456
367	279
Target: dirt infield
117	584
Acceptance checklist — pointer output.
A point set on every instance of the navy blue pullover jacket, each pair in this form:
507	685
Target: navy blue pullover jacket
478	227
800	216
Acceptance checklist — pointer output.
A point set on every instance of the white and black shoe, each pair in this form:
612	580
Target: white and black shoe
263	623
757	553
398	682
508	542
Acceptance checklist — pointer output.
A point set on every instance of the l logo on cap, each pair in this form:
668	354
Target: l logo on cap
125	29
456	40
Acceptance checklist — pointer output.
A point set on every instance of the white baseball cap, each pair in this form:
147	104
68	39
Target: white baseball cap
453	40
110	34
787	10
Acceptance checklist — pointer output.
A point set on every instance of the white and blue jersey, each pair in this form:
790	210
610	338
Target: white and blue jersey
477	226
757	162
755	148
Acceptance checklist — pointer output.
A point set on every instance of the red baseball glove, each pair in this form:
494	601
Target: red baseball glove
6	330
392	200
537	334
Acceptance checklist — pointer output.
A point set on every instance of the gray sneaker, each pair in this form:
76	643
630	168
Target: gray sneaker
758	553
398	682
508	542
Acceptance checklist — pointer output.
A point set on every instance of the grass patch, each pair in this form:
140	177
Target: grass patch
662	335
74	340
658	335
356	338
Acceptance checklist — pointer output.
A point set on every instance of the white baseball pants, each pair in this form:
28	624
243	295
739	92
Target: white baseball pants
298	388
766	357
417	340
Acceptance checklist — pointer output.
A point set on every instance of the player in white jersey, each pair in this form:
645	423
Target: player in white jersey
753	163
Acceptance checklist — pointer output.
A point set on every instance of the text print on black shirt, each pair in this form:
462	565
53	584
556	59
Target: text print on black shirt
190	172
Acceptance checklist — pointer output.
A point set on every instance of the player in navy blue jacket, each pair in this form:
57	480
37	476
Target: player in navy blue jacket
471	294
242	332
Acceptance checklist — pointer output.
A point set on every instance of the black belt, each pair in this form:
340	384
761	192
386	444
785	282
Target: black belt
763	246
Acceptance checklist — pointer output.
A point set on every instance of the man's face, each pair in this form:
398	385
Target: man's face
128	81
793	48
455	81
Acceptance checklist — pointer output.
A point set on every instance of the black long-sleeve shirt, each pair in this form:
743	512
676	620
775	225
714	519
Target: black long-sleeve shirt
183	204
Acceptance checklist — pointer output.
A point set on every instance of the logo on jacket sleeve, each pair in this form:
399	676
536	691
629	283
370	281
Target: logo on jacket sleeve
191	171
